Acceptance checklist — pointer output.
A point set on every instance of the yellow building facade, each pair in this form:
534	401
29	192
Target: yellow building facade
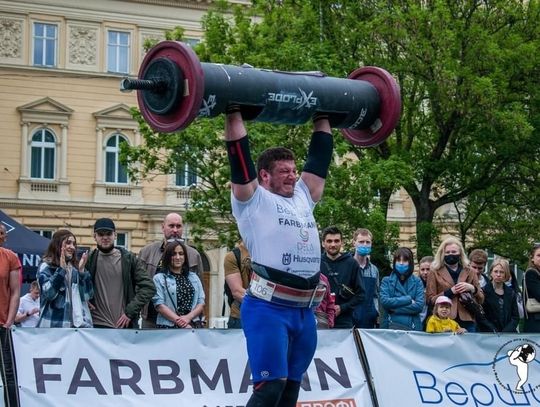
64	119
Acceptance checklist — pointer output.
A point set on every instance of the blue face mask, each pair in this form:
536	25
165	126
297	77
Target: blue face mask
401	268
363	250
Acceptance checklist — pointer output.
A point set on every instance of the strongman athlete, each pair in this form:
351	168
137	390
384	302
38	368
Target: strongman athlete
274	212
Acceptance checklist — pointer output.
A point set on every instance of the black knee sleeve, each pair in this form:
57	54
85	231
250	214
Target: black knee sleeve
289	397
267	394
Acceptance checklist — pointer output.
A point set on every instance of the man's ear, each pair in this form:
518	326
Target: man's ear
264	175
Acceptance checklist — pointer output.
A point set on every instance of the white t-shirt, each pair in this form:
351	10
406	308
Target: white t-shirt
27	304
280	232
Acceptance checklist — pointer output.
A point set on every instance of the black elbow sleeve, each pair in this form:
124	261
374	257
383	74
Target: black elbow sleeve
319	154
242	167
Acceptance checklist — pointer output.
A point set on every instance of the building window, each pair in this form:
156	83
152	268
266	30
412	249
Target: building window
45	44
43	155
118	52
115	171
192	41
121	240
185	176
45	233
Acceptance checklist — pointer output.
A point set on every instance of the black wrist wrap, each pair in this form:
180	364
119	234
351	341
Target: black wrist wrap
242	166
319	154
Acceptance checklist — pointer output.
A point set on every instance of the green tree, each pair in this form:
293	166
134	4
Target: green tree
470	97
468	72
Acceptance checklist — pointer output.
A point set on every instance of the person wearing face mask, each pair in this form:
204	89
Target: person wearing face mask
402	294
366	313
452	277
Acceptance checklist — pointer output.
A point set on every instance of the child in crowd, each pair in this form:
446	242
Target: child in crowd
424	267
440	321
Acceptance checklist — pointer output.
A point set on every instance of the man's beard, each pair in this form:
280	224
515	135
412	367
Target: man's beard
105	250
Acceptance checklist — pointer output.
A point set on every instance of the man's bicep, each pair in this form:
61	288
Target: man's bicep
244	192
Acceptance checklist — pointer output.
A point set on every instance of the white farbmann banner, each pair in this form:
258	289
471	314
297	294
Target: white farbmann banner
195	368
419	369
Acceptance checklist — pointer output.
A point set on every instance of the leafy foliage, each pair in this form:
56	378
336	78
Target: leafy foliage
468	136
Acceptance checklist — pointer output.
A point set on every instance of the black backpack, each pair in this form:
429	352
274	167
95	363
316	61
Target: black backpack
227	293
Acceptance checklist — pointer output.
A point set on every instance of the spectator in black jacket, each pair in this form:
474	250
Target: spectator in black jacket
531	288
500	303
343	273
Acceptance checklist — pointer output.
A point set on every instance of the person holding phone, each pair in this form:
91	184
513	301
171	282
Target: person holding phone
66	287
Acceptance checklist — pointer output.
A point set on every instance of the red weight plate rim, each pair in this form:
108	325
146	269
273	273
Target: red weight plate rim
189	106
390	111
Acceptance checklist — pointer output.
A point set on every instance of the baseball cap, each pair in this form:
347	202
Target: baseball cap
104	224
443	300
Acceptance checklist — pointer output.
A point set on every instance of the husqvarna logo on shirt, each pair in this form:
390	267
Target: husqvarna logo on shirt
286	259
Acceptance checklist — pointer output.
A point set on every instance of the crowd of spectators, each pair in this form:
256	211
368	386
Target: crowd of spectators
448	292
111	287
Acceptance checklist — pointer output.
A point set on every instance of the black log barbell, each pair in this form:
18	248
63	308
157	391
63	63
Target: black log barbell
175	88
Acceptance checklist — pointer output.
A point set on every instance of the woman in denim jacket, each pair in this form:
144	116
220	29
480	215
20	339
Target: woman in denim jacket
65	289
402	294
179	298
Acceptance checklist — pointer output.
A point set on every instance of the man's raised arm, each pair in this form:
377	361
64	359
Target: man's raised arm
243	172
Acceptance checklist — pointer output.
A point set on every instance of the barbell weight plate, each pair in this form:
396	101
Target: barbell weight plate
169	90
186	105
390	109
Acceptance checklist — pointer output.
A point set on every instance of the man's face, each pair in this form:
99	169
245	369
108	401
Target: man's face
34	293
362	240
281	180
3	235
172	226
478	267
105	239
332	244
